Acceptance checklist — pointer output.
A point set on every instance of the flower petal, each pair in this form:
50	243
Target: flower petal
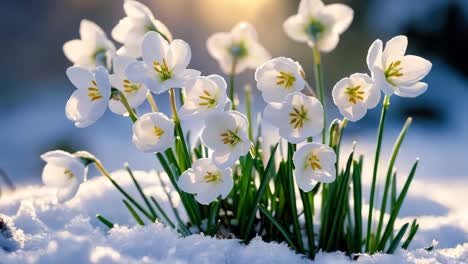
374	55
294	26
81	78
412	90
242	31
394	49
328	42
342	14
69	191
153	48
414	68
178	56
309	8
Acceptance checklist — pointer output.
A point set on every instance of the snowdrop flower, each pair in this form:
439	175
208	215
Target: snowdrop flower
226	134
206	181
93	49
298	117
397	73
314	162
354	95
318	24
237	50
153	132
279	77
163	66
134	92
204	95
63	171
131	29
89	102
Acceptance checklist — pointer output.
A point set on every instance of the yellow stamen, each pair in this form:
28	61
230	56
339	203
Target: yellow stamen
230	137
393	70
158	131
130	87
207	99
162	69
355	93
313	162
285	79
298	116
68	173
211	177
94	92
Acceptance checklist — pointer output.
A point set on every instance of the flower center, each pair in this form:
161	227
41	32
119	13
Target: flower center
230	137
355	94
68	173
130	87
285	79
298	116
313	162
314	28
207	99
393	70
94	93
238	50
211	177
158	131
162	69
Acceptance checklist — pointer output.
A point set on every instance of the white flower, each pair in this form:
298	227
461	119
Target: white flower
89	102
279	77
314	162
153	132
397	73
131	29
240	46
298	117
204	95
93	49
164	65
206	181
63	171
226	133
354	95
134	92
319	24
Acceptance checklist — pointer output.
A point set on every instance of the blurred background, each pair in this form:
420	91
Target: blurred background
35	87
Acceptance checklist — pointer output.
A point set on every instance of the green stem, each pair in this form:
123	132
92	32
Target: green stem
179	131
127	106
319	86
232	76
385	106
248	109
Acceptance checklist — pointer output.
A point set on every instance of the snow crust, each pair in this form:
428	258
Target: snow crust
42	231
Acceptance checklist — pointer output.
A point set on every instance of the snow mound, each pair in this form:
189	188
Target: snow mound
35	229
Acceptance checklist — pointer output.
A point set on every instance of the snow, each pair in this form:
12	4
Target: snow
42	231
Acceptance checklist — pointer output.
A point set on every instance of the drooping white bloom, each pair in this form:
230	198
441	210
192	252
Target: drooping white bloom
89	102
298	117
131	29
226	133
153	132
164	65
397	73
314	162
134	92
204	95
279	77
92	49
319	24
207	181
354	95
63	171
239	48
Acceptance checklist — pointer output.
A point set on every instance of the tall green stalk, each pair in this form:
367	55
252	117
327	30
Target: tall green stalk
385	106
320	87
232	77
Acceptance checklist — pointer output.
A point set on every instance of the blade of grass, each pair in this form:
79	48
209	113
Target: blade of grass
265	179
357	192
283	231
396	208
391	249
214	210
388	179
414	228
162	212
140	191
106	222
292	198
133	213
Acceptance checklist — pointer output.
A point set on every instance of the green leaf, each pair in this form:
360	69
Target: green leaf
133	213
292	198
414	228
265	179
106	222
140	191
357	192
212	216
396	208
283	231
396	241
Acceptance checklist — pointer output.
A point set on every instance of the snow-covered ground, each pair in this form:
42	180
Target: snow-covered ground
42	231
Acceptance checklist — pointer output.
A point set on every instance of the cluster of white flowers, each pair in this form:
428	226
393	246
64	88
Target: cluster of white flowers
150	61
